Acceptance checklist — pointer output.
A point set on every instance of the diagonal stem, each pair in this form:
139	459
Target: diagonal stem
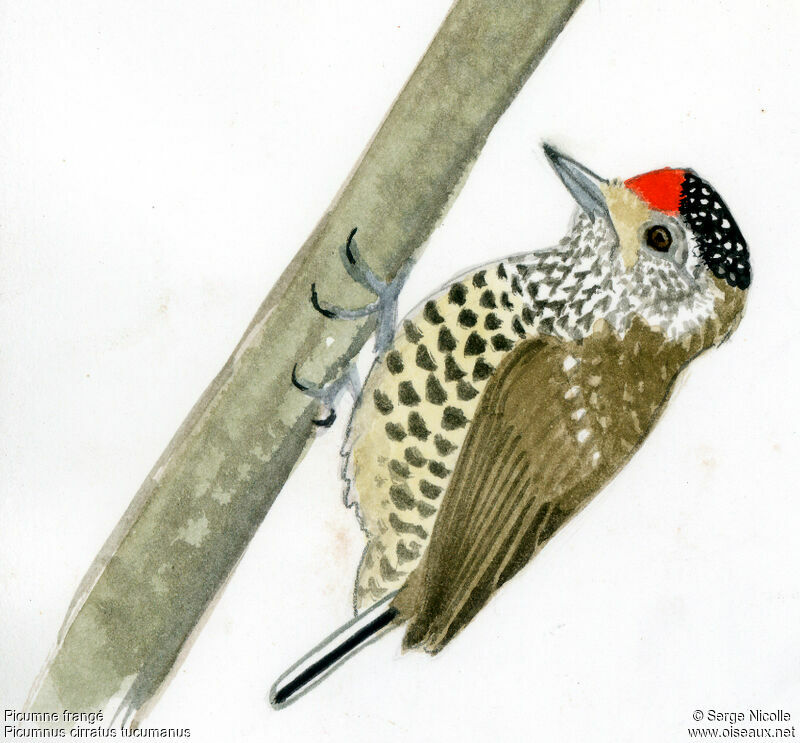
135	612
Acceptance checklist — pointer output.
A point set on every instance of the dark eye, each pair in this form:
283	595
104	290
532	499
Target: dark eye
659	238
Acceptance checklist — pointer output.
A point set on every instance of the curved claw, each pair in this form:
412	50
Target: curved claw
348	249
300	386
325	422
315	303
317	393
340	313
358	270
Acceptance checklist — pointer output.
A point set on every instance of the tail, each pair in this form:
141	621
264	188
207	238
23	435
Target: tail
332	652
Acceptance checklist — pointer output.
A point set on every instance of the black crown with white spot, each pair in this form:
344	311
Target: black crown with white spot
721	244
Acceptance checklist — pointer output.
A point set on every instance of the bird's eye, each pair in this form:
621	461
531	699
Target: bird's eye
659	238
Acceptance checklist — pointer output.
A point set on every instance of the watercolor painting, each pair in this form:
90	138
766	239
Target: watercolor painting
496	238
509	398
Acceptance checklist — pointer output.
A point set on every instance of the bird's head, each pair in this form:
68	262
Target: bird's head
678	253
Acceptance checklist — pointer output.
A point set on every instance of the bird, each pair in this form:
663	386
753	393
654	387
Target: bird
509	398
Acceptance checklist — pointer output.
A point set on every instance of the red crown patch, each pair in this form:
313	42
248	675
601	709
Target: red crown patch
661	189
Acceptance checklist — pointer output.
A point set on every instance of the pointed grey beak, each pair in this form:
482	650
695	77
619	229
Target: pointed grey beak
582	183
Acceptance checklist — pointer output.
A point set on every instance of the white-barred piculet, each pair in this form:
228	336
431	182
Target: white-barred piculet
504	402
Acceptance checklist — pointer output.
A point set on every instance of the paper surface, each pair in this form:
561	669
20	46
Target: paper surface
161	165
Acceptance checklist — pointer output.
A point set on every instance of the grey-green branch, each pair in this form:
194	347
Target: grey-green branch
134	615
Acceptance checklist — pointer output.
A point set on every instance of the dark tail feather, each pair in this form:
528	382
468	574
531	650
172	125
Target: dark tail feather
332	652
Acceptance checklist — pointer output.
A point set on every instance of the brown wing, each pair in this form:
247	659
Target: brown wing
530	460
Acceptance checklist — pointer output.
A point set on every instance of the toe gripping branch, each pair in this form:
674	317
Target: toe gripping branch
386	308
386	292
327	394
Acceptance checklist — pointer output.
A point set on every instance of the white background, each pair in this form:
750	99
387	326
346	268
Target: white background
161	163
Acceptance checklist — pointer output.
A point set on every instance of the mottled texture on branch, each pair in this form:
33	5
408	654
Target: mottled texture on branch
198	509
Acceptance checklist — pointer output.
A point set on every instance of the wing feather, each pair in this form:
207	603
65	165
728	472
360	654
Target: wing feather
525	468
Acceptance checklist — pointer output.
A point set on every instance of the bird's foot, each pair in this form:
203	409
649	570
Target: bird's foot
328	394
387	294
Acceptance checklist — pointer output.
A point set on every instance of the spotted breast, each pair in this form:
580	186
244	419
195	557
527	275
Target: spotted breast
413	415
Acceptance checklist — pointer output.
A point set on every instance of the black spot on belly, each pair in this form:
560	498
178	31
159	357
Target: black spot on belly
453	418
492	321
424	359
501	272
399	469
487	300
434	392
382	402
452	370
443	446
467	318
404	554
527	315
431	313
457	294
506	301
394	362
438	469
475	345
465	390
395	432
414	457
388	573
446	340
407	395
482	370
479	279
429	490
501	343
425	510
401	496
413	333
516	287
403	527
518	327
417	427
